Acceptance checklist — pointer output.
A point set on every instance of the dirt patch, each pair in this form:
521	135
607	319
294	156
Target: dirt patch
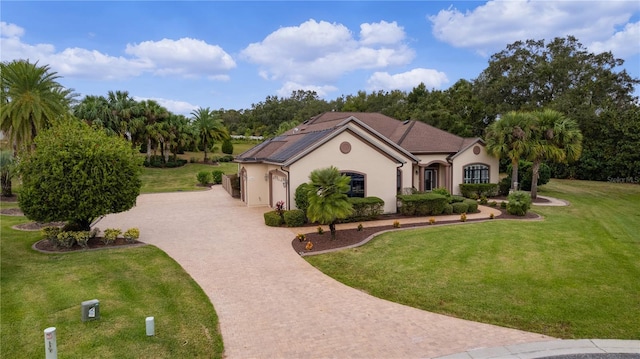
349	237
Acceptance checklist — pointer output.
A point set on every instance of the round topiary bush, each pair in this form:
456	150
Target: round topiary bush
473	205
519	203
460	207
295	218
448	209
272	219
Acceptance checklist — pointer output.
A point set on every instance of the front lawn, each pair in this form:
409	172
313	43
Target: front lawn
574	275
180	178
43	290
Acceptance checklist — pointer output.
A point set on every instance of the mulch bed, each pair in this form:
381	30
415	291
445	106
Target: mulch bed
93	243
348	237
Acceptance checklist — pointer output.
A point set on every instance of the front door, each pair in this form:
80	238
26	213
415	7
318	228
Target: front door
430	176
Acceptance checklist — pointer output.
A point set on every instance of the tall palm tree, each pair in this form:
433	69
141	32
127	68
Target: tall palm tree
7	171
94	110
151	114
122	109
510	137
31	100
179	133
209	128
554	138
328	199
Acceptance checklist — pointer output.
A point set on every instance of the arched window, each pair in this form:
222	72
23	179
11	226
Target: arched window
477	173
357	184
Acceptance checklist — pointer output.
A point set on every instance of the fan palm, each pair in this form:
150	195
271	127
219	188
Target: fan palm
510	137
31	99
208	127
328	199
555	138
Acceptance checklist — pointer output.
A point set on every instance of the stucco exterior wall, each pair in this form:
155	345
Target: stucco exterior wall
380	171
256	190
468	157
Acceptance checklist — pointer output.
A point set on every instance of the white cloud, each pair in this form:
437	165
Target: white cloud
490	27
289	87
321	52
381	33
183	57
407	80
622	44
177	107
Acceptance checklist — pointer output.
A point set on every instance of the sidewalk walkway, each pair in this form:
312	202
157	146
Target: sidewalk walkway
272	304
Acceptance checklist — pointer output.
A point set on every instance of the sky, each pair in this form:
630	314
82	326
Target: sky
232	54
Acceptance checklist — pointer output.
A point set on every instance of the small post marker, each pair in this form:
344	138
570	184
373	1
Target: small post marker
151	328
50	344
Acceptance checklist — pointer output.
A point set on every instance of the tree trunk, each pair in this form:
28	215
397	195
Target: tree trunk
535	168
149	149
332	229
514	175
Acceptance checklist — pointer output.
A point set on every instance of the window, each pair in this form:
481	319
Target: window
476	174
356	184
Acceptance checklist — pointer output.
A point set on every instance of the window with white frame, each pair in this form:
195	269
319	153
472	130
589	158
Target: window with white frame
477	173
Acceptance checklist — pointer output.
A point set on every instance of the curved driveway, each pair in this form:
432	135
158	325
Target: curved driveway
273	304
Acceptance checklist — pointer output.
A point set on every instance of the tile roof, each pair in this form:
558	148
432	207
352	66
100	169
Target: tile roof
414	136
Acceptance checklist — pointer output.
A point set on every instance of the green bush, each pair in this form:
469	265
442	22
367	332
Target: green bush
365	208
504	186
518	203
110	235
525	174
454	199
216	176
295	218
227	147
301	197
423	204
473	205
204	177
131	235
225	158
272	219
441	190
460	207
157	161
66	239
478	190
82	238
503	204
448	209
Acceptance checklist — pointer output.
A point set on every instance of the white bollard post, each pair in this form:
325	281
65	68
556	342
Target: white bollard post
151	328
50	345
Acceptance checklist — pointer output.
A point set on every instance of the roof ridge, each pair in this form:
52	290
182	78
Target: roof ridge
404	135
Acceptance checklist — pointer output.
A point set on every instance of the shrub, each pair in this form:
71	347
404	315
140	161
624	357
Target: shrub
448	209
301	237
66	239
493	204
193	160
463	217
360	227
473	205
204	177
131	235
301	197
492	216
504	186
477	190
422	204
518	203
82	238
365	208
396	224
460	207
216	176
227	147
295	218
280	209
273	219
94	232
432	220
225	158
110	235
309	246
443	191
51	234
484	200
320	230
503	204
454	199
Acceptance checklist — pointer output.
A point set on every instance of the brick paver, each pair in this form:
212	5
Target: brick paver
273	304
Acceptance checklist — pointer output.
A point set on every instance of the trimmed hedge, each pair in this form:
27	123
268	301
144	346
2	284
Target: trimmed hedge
295	218
272	219
477	190
460	207
448	209
473	205
216	175
204	177
366	208
424	204
455	199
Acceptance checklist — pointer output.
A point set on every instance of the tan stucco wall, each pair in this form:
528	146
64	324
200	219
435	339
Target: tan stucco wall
379	170
256	189
468	158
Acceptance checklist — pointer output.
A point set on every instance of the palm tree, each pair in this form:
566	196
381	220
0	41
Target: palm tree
510	136
31	100
555	138
94	110
208	127
179	133
151	114
7	171
122	109
328	199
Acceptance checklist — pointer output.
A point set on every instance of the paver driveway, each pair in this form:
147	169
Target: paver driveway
272	304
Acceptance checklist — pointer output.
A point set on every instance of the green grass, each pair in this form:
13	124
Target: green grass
180	178
42	290
574	275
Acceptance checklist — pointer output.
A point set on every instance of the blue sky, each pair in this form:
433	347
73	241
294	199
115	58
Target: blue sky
232	54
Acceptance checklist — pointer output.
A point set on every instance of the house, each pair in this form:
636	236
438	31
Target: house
382	155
